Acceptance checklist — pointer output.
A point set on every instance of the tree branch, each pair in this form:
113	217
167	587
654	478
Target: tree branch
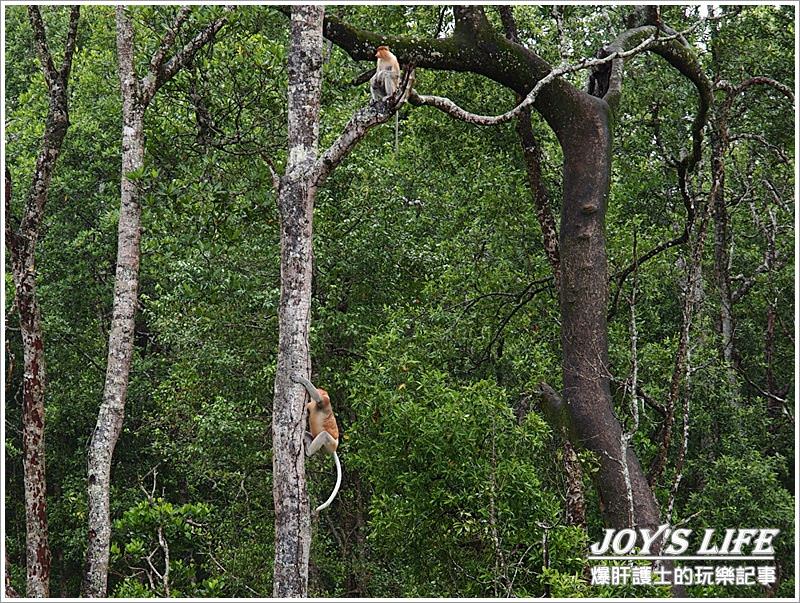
553	409
42	49
485	53
180	59
362	121
651	40
69	46
759	79
452	109
169	38
676	51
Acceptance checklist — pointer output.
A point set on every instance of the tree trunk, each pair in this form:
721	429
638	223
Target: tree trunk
625	496
719	146
136	95
120	341
33	442
296	204
22	246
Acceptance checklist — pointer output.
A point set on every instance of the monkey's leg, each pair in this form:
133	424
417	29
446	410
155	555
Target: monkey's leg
323	439
389	86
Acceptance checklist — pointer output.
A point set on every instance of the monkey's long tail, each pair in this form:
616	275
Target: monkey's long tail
335	488
396	132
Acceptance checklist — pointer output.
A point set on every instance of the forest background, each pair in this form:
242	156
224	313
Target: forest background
435	306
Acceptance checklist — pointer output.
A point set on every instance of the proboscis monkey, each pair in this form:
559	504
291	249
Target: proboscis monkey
385	81
387	74
323	431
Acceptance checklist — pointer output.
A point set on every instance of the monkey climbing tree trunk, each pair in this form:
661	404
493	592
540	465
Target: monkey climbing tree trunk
296	191
297	188
136	95
21	240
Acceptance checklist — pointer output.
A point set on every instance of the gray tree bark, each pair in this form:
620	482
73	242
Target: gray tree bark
296	204
136	95
297	189
21	240
120	341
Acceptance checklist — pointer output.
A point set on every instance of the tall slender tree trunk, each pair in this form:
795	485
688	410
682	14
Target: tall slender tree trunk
21	242
120	341
136	96
33	441
297	190
719	144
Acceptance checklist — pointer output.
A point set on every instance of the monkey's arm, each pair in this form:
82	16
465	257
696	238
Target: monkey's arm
312	391
323	439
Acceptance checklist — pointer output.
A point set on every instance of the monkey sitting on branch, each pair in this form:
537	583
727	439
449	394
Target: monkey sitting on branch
324	433
385	82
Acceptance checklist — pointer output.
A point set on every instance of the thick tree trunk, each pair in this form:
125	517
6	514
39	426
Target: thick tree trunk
625	495
22	246
296	203
33	442
120	341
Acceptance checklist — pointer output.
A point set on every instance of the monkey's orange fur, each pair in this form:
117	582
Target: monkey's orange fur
387	60
320	417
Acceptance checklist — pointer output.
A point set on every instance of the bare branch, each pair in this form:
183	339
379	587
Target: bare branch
533	164
165	548
169	38
680	373
676	51
756	80
180	59
681	239
363	77
761	140
276	179
452	109
69	46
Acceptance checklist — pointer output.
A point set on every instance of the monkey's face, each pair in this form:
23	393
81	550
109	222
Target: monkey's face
382	52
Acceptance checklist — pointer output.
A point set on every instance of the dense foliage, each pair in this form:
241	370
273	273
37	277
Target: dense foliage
434	313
